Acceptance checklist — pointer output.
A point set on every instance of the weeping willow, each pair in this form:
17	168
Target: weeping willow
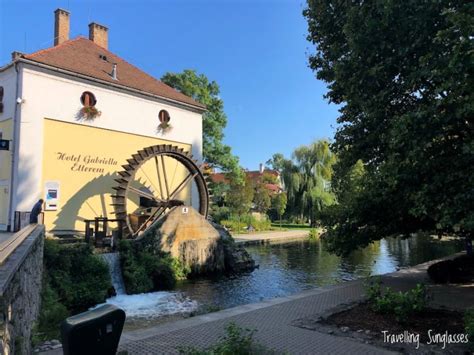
307	180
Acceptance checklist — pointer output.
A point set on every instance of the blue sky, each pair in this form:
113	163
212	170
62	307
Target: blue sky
255	50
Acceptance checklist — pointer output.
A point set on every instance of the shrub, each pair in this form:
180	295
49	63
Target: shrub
458	270
313	234
145	271
400	304
74	280
236	341
261	225
79	278
219	214
236	224
52	313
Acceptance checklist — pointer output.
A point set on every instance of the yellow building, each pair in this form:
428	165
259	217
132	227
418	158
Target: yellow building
72	115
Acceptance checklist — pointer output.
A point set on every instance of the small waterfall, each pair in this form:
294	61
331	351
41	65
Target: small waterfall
145	305
113	261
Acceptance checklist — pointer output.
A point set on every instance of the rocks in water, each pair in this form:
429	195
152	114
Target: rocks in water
237	259
198	244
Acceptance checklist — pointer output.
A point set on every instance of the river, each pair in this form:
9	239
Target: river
285	269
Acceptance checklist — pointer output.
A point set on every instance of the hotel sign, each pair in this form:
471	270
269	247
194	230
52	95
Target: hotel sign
86	163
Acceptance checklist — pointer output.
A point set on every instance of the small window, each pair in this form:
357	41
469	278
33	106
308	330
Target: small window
88	99
164	116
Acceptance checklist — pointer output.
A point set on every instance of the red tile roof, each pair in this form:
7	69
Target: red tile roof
82	56
253	175
218	178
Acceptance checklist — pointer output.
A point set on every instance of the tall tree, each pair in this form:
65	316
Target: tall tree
206	92
239	197
279	202
306	178
276	162
403	73
261	199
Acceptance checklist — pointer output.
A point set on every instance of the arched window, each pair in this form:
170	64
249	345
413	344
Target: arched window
164	116
88	99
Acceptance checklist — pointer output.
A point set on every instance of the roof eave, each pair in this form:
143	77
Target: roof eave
5	67
199	109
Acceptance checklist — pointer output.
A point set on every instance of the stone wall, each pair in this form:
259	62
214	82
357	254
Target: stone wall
20	287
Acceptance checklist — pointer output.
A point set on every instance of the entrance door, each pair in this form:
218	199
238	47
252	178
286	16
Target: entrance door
4	204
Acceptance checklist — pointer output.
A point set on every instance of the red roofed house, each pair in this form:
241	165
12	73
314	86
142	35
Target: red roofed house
256	176
70	116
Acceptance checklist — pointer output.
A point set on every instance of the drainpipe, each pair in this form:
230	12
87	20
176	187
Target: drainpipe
15	148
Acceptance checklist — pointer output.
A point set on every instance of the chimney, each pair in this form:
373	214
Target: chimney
61	26
99	34
262	168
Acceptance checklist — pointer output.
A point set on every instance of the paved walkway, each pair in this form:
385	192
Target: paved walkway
270	237
273	319
4	236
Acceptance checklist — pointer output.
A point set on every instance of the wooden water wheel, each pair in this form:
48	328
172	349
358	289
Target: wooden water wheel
155	180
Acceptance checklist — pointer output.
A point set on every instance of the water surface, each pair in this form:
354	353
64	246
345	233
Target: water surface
289	268
285	269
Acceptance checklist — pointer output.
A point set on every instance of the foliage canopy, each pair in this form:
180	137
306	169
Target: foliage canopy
306	178
403	73
206	92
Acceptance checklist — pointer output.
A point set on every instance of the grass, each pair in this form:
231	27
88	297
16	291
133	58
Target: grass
290	226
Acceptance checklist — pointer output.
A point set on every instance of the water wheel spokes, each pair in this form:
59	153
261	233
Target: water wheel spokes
148	182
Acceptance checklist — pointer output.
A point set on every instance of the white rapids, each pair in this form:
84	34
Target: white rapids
153	304
144	305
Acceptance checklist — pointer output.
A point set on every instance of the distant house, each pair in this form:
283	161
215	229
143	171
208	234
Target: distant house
257	176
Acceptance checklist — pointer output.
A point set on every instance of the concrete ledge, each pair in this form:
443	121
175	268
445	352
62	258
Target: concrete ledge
271	237
22	243
20	287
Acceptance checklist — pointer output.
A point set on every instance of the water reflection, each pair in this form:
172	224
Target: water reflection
289	268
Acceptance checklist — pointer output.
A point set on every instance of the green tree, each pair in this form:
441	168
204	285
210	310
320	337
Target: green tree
276	162
268	178
402	72
279	202
306	178
239	197
206	92
261	198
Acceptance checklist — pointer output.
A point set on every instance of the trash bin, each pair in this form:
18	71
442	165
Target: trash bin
93	332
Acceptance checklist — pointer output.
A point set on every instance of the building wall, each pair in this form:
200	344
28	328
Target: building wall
6	130
8	81
57	96
82	161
